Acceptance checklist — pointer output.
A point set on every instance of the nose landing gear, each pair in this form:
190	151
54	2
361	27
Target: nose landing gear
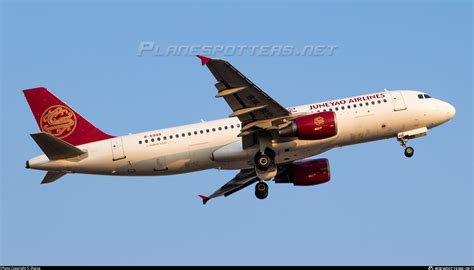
409	151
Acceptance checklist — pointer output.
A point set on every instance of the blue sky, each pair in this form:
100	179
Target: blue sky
378	208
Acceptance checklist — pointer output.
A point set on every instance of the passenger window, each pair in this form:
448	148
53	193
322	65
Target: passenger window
373	102
213	129
140	142
337	108
225	127
152	140
158	139
182	134
355	105
342	108
177	135
220	128
189	133
164	138
195	132
420	96
146	141
367	104
171	137
360	104
348	106
378	101
385	100
207	130
238	125
201	131
231	126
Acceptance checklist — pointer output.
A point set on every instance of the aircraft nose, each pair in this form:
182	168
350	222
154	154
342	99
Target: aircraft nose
450	111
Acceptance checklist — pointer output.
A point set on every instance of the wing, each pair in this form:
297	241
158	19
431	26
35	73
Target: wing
254	108
243	179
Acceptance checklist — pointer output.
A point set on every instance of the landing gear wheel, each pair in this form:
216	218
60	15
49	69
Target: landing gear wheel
263	162
409	151
261	190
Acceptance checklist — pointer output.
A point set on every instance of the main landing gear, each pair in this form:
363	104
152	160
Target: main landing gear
265	166
265	169
409	151
261	190
263	161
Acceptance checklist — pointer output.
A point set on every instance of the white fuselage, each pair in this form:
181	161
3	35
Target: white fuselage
215	144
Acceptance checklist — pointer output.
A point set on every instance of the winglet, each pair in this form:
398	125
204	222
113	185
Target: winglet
204	59
204	199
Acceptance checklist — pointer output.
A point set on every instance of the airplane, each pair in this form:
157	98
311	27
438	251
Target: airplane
261	138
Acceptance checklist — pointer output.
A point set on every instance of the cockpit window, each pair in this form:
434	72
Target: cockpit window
427	96
420	96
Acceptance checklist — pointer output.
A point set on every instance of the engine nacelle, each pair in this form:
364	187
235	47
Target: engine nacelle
311	127
306	173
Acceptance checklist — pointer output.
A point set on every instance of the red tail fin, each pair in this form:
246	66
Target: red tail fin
58	119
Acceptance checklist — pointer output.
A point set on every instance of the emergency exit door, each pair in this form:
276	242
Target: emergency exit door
117	149
398	102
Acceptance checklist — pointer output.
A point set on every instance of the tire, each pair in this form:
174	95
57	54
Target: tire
262	162
261	190
409	151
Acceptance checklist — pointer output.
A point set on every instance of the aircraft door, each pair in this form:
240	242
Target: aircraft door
398	102
118	152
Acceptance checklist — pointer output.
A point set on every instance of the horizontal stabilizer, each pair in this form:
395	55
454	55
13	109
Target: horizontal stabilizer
204	199
51	177
55	148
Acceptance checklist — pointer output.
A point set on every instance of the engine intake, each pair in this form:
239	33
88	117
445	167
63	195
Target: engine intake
311	127
306	173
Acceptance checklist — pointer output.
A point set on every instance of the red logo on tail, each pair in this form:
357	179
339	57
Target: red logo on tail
59	121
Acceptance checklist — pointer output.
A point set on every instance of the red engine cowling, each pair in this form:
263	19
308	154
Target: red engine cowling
306	173
311	127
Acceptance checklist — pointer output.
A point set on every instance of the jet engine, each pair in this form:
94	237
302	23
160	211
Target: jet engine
311	127
306	173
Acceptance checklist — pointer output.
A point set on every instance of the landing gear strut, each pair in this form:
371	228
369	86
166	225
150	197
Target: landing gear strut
409	151
261	190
